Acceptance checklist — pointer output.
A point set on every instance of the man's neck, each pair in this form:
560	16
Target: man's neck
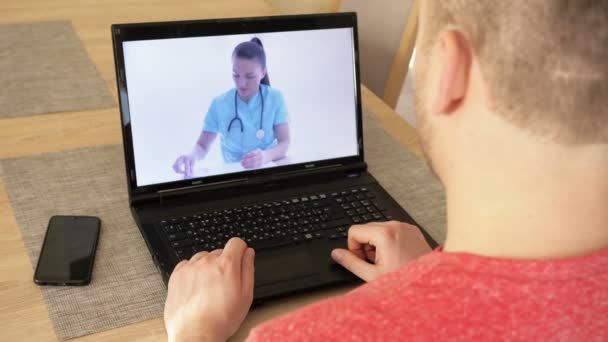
530	210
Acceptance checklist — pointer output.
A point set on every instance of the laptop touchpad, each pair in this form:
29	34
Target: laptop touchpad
273	267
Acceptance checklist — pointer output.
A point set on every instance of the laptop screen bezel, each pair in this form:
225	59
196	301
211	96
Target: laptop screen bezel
216	27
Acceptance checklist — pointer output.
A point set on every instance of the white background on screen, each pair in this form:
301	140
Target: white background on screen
172	82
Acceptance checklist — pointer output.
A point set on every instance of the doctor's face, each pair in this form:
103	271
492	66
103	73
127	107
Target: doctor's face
247	75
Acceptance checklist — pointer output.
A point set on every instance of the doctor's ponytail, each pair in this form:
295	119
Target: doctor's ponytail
253	49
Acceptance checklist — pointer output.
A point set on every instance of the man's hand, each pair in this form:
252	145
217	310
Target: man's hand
254	159
378	248
210	295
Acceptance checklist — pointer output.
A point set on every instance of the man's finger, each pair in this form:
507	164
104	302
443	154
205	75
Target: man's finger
355	244
233	253
371	256
360	235
179	265
216	252
353	263
247	270
198	255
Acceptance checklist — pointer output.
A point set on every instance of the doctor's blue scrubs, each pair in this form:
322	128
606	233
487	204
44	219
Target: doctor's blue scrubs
235	144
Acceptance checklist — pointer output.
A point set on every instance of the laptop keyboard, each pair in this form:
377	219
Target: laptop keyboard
275	223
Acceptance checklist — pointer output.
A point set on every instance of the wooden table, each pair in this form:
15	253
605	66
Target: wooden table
23	314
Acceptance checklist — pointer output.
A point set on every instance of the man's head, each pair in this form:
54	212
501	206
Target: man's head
529	69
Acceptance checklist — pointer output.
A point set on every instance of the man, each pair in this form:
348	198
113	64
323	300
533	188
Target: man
512	103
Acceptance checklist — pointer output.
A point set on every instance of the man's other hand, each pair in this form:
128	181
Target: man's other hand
210	294
377	248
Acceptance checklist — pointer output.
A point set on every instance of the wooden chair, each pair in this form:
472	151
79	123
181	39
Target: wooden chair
387	36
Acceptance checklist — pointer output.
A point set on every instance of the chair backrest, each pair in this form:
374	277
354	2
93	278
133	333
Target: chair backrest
387	34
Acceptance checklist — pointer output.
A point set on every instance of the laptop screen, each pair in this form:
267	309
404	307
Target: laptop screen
208	106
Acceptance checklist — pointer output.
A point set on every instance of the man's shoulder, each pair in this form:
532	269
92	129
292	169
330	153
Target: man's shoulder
441	296
362	311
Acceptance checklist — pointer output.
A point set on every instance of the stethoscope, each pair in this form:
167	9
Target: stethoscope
260	133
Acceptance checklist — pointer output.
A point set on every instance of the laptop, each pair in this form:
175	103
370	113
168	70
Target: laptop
183	90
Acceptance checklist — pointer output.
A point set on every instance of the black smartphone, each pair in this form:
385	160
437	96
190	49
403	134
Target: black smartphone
68	251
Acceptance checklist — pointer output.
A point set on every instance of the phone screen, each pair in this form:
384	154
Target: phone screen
68	251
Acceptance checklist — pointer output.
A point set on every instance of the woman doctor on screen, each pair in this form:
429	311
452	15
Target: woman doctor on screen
250	118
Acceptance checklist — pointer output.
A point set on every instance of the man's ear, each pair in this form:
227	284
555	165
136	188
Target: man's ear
455	60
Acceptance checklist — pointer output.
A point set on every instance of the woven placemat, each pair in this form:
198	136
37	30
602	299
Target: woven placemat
44	69
126	287
407	178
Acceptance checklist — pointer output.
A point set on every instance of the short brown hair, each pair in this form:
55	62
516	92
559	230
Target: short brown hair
545	61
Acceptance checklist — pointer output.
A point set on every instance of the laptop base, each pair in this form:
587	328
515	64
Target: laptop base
287	268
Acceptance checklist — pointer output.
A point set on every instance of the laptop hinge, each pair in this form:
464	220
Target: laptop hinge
188	189
353	174
347	170
350	171
290	174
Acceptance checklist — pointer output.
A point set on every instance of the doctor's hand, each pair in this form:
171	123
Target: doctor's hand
210	294
255	158
378	248
185	164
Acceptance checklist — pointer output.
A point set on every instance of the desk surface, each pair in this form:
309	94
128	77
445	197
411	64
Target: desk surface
22	310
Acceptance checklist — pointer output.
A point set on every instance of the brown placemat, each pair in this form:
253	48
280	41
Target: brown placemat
44	69
126	287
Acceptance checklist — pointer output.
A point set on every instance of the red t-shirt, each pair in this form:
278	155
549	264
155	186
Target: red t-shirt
459	296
